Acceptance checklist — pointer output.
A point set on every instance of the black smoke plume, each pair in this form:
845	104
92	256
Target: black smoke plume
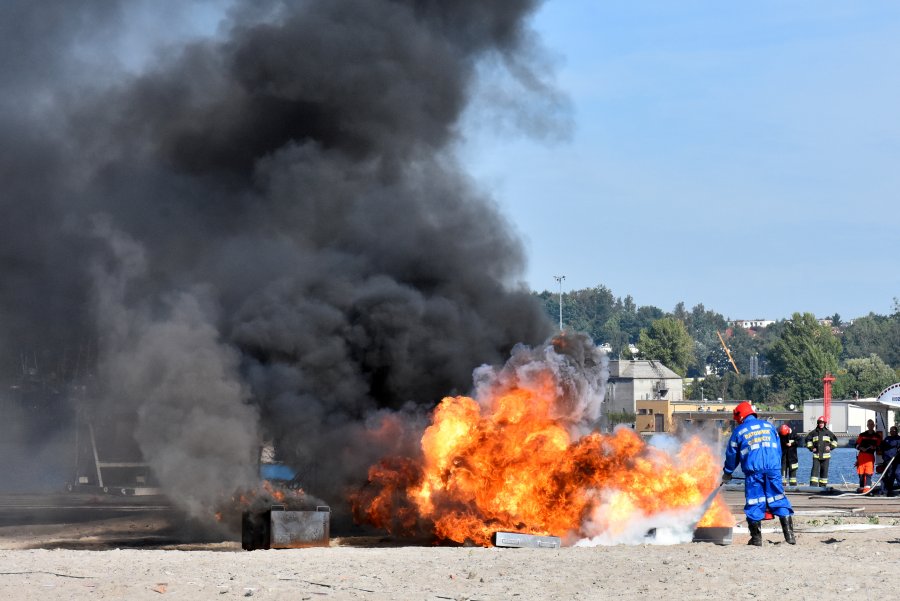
258	232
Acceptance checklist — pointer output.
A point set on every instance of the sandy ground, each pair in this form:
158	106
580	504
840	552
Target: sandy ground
836	561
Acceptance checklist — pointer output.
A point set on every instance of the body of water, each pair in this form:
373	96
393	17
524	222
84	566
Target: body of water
841	468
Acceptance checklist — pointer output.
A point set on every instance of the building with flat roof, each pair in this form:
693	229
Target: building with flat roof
751	323
849	416
661	415
635	383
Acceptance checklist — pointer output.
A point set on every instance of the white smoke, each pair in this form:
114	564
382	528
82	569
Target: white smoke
580	371
664	528
635	527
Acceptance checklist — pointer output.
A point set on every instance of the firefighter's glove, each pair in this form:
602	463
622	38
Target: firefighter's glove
726	477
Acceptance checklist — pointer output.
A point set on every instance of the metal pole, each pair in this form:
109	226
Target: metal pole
560	278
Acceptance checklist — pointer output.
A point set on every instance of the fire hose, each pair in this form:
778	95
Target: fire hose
874	484
706	504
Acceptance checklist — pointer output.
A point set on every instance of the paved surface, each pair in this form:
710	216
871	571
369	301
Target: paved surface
17	509
98	521
20	509
831	502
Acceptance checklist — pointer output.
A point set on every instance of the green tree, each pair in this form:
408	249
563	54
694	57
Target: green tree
759	390
864	377
596	312
681	313
866	336
620	417
879	334
585	310
802	355
667	341
743	345
702	325
633	319
612	333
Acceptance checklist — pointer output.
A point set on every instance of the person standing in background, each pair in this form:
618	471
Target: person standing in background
789	462
867	443
820	442
889	450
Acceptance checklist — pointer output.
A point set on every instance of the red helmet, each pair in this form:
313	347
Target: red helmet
821	418
784	430
741	412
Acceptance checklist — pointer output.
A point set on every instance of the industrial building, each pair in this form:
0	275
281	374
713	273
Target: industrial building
849	416
662	415
635	381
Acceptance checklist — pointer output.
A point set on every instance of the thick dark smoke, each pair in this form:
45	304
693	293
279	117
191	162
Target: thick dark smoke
261	233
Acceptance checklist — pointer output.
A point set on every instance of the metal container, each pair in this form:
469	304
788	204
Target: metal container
516	539
293	529
279	528
719	535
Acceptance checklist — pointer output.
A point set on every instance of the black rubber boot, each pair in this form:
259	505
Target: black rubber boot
755	533
787	526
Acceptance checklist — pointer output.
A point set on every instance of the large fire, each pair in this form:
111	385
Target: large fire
510	463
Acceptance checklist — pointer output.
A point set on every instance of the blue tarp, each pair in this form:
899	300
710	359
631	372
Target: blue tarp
276	471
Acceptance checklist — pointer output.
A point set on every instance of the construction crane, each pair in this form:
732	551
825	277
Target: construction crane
728	352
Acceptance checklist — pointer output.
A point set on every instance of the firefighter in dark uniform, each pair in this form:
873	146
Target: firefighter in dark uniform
789	462
867	443
820	442
754	443
890	449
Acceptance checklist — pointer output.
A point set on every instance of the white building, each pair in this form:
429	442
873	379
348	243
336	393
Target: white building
631	381
849	416
752	323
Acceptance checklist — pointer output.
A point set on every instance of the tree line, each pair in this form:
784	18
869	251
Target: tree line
779	365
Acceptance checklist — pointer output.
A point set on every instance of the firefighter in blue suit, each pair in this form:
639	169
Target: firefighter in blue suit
755	444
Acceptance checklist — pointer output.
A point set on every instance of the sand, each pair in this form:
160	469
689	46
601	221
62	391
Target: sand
827	561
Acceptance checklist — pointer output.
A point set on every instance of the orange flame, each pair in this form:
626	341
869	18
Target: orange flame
510	464
266	494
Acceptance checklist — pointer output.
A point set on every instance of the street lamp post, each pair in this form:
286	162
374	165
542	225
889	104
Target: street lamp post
559	279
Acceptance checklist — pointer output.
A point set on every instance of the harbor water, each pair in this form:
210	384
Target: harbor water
841	469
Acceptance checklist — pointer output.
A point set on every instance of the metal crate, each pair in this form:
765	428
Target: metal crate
280	528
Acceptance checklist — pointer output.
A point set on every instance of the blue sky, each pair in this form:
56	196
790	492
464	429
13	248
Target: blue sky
743	156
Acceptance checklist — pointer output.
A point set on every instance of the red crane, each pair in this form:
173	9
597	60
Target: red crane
826	397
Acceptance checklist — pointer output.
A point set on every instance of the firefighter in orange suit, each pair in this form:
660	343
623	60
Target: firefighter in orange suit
820	441
867	443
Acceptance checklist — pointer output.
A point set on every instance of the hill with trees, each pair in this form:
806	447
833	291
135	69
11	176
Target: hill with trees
779	365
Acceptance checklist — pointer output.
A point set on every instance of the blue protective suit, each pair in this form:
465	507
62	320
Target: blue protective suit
756	445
